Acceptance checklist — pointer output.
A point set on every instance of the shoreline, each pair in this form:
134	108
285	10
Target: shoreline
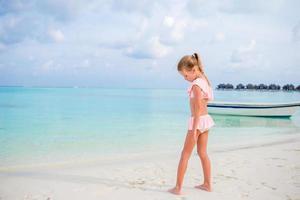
264	171
114	159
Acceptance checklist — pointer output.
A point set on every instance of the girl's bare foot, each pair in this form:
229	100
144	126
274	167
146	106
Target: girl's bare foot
204	186
175	190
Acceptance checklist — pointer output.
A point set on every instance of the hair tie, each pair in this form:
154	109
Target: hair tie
195	55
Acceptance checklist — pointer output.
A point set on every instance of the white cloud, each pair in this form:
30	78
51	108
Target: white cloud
151	48
159	50
144	7
113	30
177	24
168	21
50	66
296	33
86	63
13	29
244	56
220	36
56	35
31	58
177	32
2	47
173	30
15	6
13	21
234	6
115	44
217	38
250	47
62	10
144	25
201	8
47	66
82	65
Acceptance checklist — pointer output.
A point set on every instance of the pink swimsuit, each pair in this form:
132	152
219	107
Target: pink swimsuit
205	122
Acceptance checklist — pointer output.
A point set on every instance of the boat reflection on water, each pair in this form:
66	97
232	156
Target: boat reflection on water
287	109
245	121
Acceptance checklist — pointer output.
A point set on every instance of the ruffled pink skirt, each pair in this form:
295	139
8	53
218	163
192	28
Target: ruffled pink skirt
205	123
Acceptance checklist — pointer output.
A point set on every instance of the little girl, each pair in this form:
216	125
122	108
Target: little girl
200	92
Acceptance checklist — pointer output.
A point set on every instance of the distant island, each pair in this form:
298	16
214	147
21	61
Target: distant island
249	86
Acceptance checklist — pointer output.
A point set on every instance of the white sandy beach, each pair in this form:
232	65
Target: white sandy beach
266	170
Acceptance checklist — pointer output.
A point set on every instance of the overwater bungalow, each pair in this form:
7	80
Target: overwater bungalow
261	86
221	86
240	87
274	87
288	87
229	86
249	86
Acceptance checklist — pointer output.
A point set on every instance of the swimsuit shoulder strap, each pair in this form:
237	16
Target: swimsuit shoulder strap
206	89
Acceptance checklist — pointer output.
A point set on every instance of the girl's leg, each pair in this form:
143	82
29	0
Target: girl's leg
185	155
202	152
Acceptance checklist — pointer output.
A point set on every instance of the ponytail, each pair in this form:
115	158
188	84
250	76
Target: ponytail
200	66
198	61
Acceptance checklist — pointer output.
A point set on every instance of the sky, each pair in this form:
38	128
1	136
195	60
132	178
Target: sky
137	44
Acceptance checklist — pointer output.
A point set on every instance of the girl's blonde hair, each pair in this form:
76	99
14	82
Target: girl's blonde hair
188	62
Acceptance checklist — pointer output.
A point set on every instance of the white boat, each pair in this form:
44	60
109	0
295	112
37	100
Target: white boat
254	109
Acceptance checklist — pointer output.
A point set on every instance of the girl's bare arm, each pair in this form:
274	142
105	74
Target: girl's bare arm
198	105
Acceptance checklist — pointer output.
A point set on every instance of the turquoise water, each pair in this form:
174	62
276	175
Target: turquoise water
60	124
